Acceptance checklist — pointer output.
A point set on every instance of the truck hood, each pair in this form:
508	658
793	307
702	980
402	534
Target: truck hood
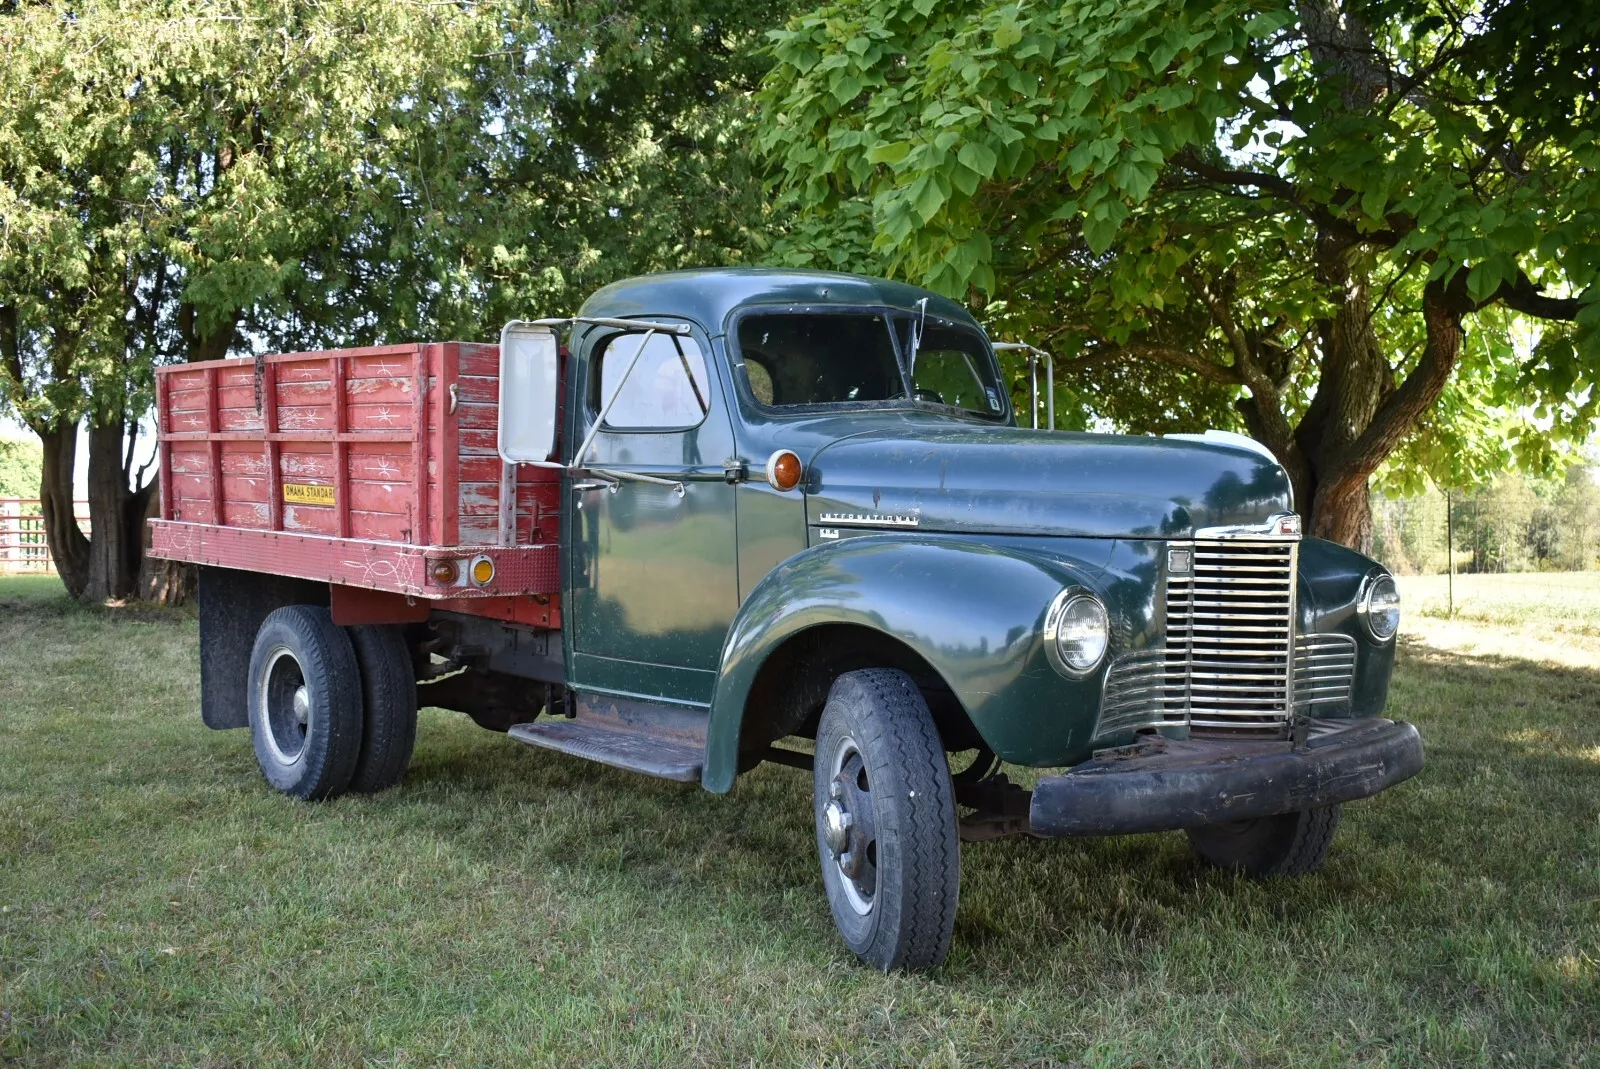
1006	480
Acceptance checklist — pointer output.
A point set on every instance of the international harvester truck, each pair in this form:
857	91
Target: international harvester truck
726	517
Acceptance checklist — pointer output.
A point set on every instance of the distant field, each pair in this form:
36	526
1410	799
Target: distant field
1552	617
1570	599
505	906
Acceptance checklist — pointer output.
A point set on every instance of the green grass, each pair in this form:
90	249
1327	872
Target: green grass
507	906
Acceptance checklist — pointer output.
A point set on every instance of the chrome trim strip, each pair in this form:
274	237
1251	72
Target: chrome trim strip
1280	527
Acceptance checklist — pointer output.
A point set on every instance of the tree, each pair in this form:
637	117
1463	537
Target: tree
1298	206
185	180
169	173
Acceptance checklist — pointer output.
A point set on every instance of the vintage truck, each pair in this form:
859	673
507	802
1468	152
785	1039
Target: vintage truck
746	516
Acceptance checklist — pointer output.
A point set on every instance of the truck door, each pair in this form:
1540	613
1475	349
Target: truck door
653	579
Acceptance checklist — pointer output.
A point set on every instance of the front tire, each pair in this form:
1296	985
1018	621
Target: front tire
305	703
1290	844
886	821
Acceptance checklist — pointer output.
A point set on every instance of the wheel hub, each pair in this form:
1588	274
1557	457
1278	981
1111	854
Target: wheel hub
836	825
302	704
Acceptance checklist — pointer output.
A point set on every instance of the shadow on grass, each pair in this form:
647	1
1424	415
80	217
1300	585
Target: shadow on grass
1509	786
42	598
1532	725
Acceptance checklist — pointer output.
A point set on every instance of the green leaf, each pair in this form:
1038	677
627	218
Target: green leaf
891	152
978	157
926	197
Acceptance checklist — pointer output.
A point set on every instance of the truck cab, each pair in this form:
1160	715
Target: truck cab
791	517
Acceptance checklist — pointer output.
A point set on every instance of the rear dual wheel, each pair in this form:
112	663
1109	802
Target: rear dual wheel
331	708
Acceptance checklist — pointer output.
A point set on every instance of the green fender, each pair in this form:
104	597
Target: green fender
973	611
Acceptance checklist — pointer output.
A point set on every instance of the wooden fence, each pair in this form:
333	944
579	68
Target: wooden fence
23	547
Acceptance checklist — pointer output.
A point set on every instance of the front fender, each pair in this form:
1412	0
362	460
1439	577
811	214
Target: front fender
974	611
1332	580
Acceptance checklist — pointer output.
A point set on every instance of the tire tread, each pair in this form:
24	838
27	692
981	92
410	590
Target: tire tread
389	707
930	848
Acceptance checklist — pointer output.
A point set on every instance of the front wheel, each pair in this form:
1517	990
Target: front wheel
886	821
1290	844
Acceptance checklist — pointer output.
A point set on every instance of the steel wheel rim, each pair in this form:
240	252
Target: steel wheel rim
853	854
285	702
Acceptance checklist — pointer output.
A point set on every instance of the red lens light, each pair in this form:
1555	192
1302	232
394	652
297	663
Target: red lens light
784	470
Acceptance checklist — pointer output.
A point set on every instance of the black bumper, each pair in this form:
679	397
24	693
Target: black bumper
1161	784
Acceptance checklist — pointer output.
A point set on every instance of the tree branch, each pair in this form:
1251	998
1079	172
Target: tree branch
1523	296
1206	369
1442	309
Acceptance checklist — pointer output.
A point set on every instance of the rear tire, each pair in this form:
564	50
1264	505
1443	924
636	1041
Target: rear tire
305	703
1290	844
886	821
389	705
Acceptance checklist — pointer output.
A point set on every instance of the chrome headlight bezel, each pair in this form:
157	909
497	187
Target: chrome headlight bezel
1065	619
1375	618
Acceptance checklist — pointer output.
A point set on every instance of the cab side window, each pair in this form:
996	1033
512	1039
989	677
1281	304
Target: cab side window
667	388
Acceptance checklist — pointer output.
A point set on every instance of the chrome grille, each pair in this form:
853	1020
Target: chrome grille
1230	606
1142	690
1230	624
1324	670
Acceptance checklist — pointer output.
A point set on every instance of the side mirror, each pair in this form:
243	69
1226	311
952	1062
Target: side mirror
530	386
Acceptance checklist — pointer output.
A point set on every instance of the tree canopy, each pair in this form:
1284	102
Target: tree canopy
183	180
1284	213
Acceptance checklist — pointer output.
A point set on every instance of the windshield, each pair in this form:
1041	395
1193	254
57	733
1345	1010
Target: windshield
809	358
951	367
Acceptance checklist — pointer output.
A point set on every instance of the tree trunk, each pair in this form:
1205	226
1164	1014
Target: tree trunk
69	547
164	581
1342	512
113	554
1354	378
1341	508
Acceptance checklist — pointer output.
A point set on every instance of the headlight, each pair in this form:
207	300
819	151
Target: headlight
1076	631
1380	608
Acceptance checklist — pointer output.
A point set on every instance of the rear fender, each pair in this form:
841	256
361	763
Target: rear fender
973	611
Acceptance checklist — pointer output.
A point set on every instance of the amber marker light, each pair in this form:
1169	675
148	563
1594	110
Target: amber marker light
482	571
784	470
445	572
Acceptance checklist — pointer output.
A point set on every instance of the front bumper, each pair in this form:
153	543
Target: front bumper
1162	784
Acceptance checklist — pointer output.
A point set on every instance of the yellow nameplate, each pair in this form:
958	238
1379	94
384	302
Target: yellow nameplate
306	494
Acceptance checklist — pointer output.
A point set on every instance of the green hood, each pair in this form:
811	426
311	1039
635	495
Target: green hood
1004	480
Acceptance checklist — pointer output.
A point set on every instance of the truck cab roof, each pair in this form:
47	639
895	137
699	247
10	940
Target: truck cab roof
711	296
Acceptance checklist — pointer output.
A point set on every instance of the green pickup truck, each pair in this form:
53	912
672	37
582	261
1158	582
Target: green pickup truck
748	516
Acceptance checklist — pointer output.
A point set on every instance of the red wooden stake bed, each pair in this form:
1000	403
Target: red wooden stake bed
375	470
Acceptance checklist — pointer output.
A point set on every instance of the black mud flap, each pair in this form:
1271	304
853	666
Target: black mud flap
1164	784
232	606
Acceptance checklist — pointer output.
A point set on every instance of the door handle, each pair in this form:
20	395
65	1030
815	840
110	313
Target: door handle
596	484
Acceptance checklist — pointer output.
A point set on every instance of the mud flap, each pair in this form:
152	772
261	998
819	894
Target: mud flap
232	606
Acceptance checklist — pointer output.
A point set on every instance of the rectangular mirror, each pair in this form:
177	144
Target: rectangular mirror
530	385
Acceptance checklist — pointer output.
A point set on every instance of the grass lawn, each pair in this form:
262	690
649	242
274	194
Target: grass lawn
510	906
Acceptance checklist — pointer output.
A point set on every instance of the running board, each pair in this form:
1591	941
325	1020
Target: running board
632	750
